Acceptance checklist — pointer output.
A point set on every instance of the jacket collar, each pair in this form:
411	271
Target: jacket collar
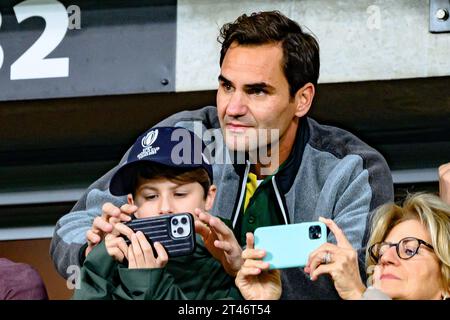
286	175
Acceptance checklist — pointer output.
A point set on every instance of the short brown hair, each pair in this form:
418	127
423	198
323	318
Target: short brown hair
179	175
301	62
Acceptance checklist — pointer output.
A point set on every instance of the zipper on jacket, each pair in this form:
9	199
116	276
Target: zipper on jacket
280	202
241	197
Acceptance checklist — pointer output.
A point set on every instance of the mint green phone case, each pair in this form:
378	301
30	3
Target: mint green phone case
289	246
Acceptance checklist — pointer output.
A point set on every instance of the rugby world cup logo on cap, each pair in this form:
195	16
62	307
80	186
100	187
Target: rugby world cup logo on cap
147	142
149	138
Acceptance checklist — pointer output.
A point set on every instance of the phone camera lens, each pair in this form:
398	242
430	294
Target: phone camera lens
174	222
180	230
315	232
184	220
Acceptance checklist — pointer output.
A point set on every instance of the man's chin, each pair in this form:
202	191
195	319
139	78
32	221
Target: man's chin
237	147
239	144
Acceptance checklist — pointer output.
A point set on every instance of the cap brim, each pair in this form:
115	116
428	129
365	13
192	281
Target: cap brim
123	181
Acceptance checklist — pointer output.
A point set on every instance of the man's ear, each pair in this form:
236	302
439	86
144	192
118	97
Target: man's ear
303	99
130	199
210	197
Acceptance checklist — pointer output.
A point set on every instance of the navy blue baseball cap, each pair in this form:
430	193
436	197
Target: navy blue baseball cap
170	146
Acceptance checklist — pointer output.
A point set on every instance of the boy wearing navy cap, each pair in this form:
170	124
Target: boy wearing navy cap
166	172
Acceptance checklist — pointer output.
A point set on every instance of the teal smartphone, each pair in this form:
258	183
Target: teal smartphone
289	246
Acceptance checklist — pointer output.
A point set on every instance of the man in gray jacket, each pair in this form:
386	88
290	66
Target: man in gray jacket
269	73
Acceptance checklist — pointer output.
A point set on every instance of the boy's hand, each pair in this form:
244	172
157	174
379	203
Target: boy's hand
220	241
140	253
115	244
444	182
255	281
103	225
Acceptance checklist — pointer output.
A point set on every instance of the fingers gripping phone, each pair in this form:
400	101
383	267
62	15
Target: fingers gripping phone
174	231
289	246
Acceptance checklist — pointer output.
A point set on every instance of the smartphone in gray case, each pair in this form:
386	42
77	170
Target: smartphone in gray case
174	231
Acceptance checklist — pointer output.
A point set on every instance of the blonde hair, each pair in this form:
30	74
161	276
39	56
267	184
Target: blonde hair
432	212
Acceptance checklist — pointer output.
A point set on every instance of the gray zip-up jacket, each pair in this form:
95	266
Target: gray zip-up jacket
334	175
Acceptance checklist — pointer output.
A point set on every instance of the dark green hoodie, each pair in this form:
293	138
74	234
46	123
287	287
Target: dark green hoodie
195	277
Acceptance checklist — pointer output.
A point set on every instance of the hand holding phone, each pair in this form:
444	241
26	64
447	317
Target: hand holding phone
289	246
175	232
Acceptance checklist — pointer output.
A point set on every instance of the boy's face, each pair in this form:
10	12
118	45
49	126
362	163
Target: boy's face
162	196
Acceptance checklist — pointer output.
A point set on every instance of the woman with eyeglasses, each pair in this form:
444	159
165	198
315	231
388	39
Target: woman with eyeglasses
408	257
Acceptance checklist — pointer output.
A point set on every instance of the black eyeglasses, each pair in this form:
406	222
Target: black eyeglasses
406	248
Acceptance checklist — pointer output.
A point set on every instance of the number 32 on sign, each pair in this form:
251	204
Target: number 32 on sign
32	64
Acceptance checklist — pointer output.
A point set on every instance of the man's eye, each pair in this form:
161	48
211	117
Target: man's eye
227	87
151	197
257	92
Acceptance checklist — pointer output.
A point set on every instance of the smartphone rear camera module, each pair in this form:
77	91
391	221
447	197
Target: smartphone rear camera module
180	227
315	232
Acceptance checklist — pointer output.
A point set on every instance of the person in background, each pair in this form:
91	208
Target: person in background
20	281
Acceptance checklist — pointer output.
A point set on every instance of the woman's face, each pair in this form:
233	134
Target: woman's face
418	278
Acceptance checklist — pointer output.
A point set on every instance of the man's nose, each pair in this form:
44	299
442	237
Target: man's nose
237	105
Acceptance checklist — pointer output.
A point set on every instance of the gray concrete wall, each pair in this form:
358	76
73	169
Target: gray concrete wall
360	40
